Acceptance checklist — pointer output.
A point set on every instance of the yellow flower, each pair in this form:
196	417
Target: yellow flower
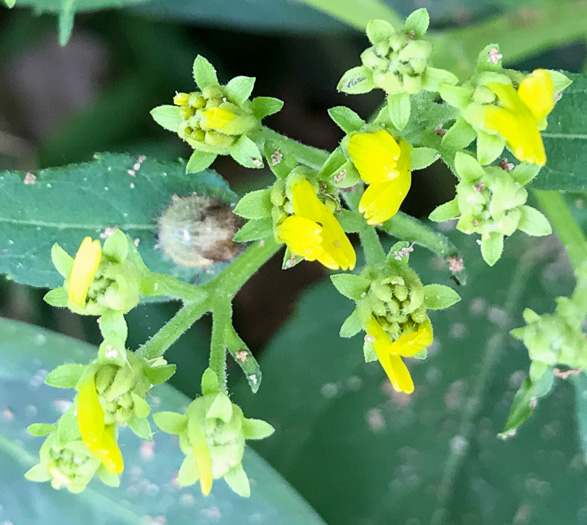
521	115
217	118
98	436
86	262
384	164
313	232
390	352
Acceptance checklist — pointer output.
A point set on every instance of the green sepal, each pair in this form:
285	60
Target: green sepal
199	161
67	427
489	147
108	478
492	247
57	297
246	153
399	252
350	285
423	354
346	119
204	73
523	173
188	472
351	326
255	230
399	108
445	212
62	261
418	22
524	400
209	382
140	427
141	407
559	80
423	157
459	135
351	221
11	4
333	164
239	89
221	408
65	376
439	297
238	481
483	62
369	352
38	473
290	260
356	81
265	106
168	117
280	162
159	374
457	96
171	422
533	222
467	168
434	77
256	429
379	31
254	205
116	247
40	429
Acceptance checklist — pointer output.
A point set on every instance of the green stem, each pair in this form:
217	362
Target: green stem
173	287
221	323
173	330
566	227
234	276
307	155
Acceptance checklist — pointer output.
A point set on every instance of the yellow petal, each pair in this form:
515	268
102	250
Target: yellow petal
217	118
86	262
107	451
321	238
537	92
90	414
204	464
375	155
381	202
410	344
302	236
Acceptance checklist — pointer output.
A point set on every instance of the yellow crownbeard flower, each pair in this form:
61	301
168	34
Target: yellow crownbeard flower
86	262
521	115
384	164
98	436
390	352
313	232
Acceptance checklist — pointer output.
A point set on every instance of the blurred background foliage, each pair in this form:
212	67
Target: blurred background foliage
357	452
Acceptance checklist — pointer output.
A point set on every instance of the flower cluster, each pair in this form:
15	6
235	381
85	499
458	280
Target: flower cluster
501	106
212	435
217	119
391	308
491	201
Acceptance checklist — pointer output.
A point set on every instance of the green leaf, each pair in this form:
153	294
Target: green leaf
66	21
351	221
346	119
244	359
246	153
534	222
65	376
442	437
255	230
418	22
580	384
350	285
565	141
168	117
439	296
199	161
239	89
24	351
10	3
69	203
423	157
266	106
399	108
204	73
159	374
255	205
